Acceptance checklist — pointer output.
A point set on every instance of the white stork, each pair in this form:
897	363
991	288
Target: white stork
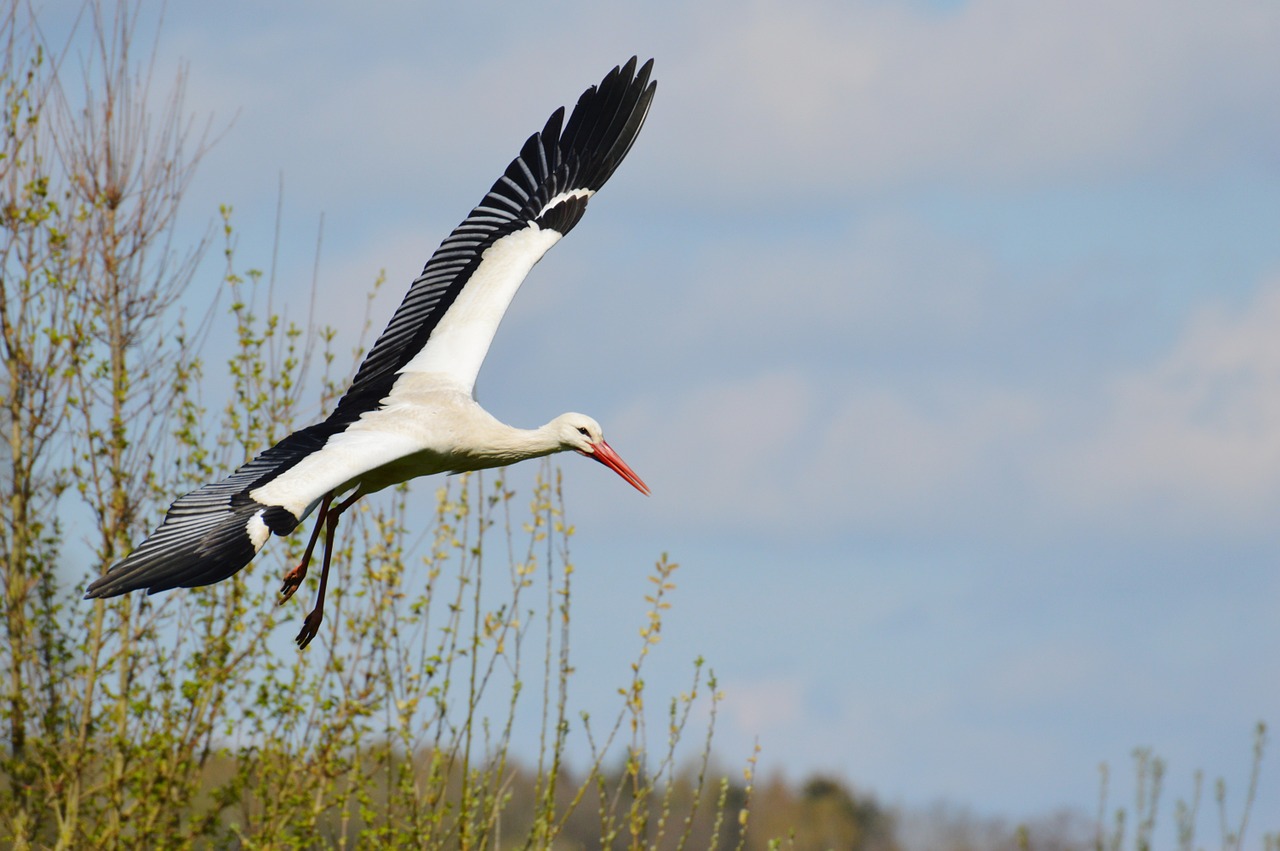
410	411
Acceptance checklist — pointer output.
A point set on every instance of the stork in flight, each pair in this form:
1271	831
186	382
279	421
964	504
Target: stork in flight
410	410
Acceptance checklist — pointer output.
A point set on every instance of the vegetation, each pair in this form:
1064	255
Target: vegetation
185	720
178	717
1140	827
1149	773
189	720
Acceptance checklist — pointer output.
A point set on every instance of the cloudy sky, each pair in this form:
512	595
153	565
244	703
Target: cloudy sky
947	335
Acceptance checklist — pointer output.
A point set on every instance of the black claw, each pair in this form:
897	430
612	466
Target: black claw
286	591
310	628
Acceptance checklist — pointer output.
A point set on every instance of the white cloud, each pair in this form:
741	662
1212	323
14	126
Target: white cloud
758	705
775	451
1191	441
829	95
879	279
1187	444
756	100
763	99
901	462
743	432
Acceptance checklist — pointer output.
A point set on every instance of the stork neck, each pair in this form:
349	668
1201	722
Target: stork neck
518	444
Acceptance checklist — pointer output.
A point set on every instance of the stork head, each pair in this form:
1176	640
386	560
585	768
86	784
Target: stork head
583	435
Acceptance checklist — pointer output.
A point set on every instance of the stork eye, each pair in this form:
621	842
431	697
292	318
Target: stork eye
583	431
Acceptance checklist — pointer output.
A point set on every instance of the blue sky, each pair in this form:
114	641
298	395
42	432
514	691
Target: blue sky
947	336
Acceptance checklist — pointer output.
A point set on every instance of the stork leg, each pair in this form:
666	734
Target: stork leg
311	624
293	579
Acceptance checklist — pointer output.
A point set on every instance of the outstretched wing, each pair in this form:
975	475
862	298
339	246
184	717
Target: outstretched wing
448	318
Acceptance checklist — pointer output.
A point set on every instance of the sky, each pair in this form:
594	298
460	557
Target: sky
947	336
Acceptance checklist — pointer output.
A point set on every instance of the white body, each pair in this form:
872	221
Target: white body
428	425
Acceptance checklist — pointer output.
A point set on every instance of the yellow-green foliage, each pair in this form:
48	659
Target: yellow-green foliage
189	719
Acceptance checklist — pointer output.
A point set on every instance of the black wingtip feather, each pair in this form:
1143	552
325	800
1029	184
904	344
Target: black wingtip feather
551	130
208	553
609	120
204	537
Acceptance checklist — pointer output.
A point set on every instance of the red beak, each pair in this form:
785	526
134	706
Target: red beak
604	453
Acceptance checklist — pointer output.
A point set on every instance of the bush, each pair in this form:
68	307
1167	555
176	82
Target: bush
185	720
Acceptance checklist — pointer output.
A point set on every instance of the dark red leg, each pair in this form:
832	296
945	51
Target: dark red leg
293	579
311	624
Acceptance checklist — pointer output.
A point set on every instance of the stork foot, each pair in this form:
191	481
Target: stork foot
310	626
292	582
